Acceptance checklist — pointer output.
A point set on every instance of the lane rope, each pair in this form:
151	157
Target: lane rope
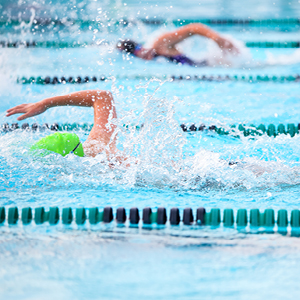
234	130
216	78
271	44
77	44
151	21
201	216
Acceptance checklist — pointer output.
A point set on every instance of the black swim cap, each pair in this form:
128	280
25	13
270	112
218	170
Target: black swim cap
127	46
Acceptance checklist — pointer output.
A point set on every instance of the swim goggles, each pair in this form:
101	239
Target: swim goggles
75	148
137	48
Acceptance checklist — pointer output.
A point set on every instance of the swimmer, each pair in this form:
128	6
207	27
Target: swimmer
102	137
165	45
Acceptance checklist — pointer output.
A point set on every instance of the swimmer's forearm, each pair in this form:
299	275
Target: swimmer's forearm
203	30
172	38
200	29
102	101
82	98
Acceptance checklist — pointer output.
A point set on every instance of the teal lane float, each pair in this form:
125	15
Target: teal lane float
216	78
247	130
200	216
272	44
233	130
78	44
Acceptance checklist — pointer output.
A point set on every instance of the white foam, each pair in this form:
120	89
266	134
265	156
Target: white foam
283	59
218	57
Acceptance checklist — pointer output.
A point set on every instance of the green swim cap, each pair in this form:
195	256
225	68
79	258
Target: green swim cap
61	143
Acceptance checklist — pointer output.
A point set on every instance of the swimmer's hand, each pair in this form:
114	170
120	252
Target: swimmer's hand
147	54
226	45
28	110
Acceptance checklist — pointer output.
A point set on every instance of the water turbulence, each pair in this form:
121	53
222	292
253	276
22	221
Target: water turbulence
160	156
165	168
158	145
165	157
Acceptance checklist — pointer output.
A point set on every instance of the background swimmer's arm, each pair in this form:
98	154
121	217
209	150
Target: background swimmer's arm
104	112
165	44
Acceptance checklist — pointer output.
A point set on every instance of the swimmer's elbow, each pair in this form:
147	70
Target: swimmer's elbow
108	95
103	97
107	98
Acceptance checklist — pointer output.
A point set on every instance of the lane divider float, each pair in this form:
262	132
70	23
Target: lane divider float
201	216
233	130
77	44
270	44
149	21
215	78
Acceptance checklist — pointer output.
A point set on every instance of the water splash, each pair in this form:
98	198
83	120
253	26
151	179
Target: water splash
217	57
160	158
283	59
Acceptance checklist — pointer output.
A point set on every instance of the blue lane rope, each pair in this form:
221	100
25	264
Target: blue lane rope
200	216
233	130
76	44
216	78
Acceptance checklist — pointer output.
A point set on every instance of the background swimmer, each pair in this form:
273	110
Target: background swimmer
165	45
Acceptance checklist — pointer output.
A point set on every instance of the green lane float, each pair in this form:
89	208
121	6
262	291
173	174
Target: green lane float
78	44
215	78
253	218
234	130
67	216
13	215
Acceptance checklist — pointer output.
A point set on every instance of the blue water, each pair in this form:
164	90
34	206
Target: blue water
175	169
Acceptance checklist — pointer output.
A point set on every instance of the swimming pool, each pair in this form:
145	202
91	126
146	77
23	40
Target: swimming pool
177	169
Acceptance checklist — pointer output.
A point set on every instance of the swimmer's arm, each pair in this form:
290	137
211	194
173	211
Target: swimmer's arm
168	40
103	131
104	113
83	98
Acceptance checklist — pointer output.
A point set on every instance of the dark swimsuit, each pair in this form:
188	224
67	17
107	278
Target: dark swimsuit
182	59
179	59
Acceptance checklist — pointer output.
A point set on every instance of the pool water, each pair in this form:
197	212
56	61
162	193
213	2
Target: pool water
175	169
